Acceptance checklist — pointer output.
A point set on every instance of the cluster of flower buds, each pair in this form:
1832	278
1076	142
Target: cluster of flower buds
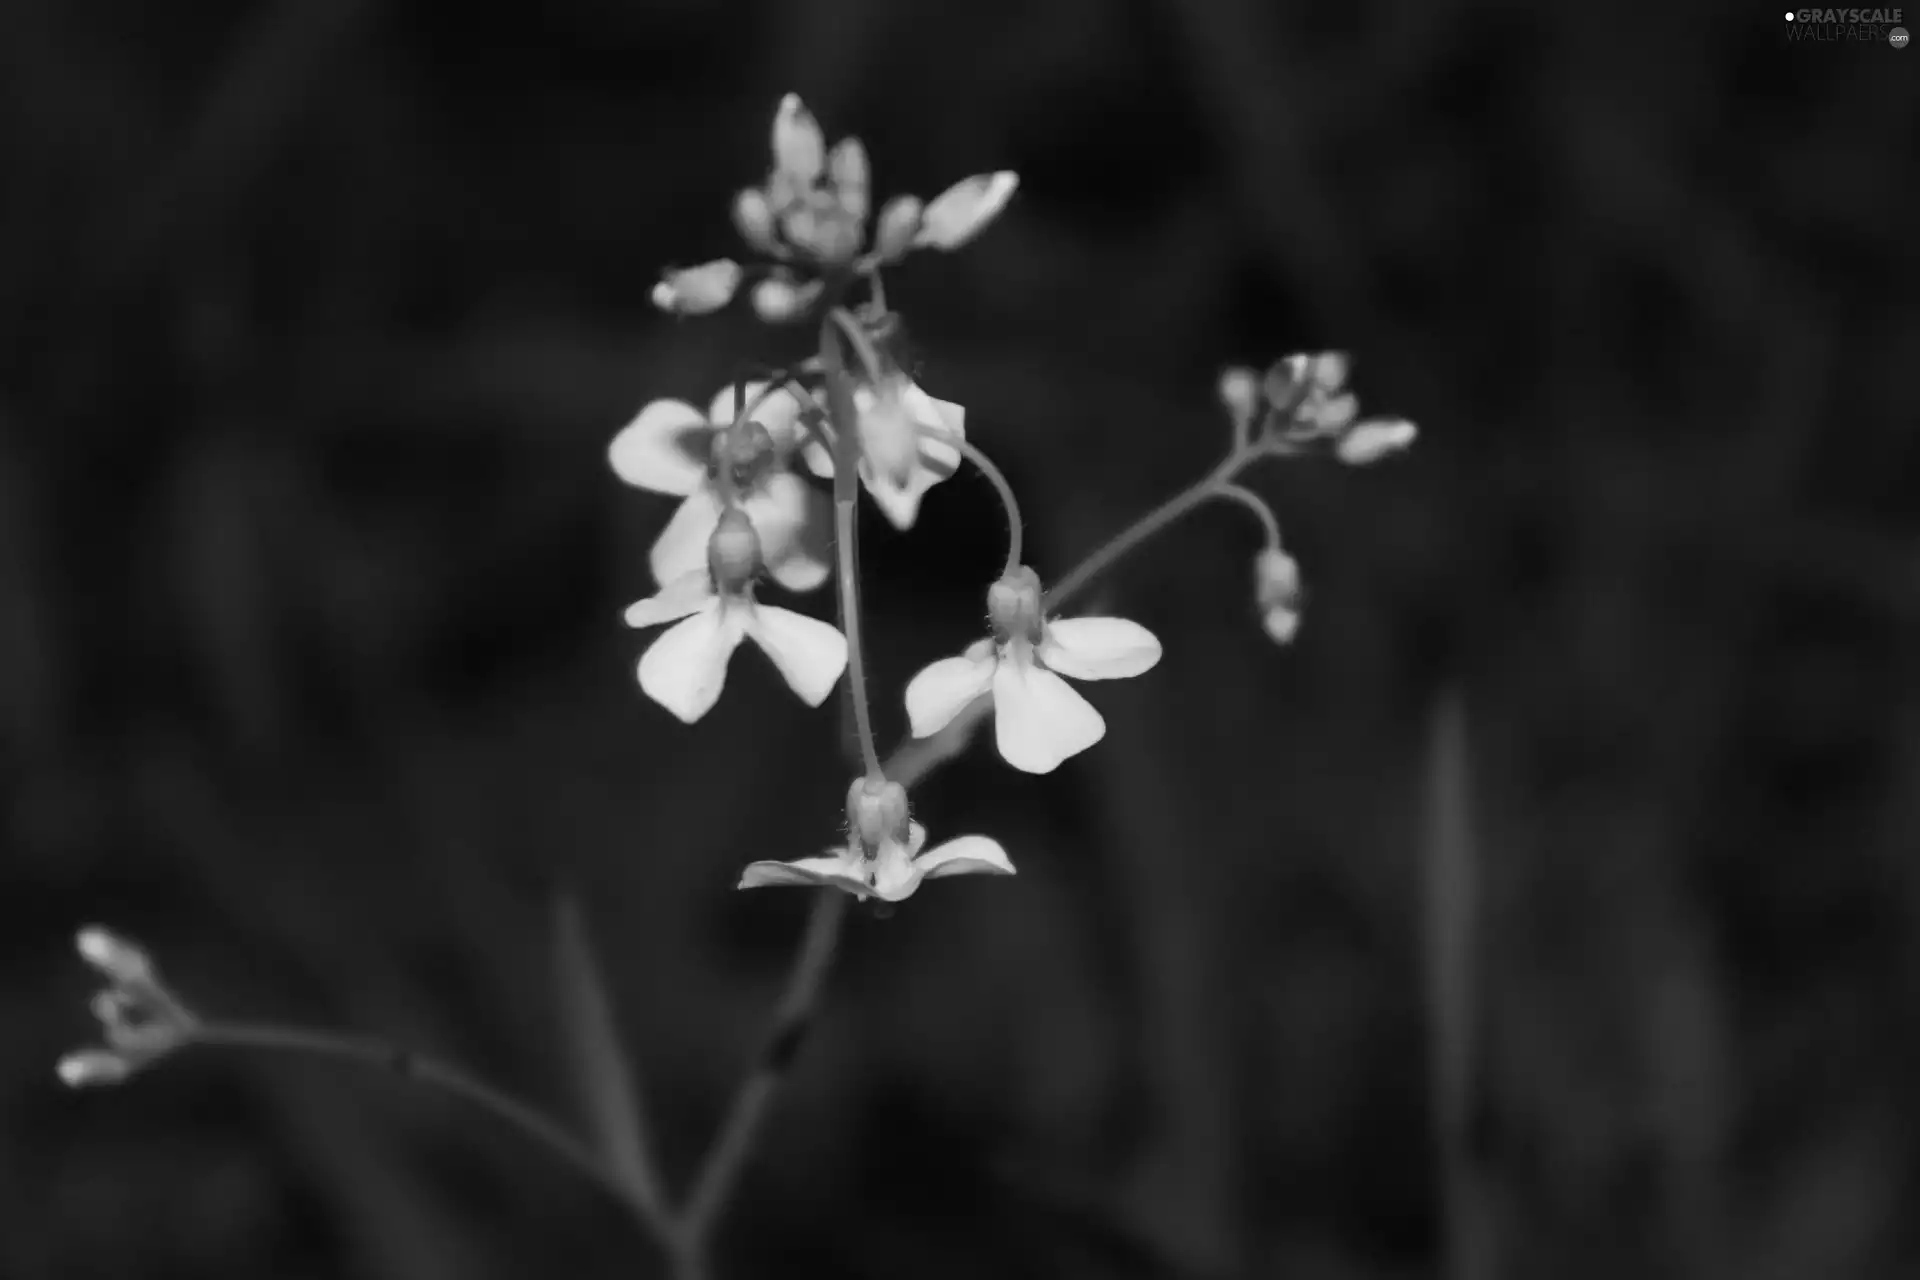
1302	401
140	1019
810	219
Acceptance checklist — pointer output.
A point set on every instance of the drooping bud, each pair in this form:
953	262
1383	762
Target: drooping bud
1013	605
899	224
889	433
1374	439
696	291
733	553
140	1019
1277	592
876	811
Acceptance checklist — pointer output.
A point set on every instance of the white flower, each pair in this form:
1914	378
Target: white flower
1374	439
686	668
1039	720
898	463
672	448
964	209
140	1019
695	291
892	872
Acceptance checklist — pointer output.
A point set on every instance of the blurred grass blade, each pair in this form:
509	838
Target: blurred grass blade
602	1075
1452	892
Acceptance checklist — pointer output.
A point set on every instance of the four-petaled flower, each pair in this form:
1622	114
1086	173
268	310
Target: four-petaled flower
686	668
1039	720
899	458
883	856
139	1018
672	448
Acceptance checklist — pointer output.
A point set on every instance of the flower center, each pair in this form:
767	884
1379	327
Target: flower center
1013	608
744	454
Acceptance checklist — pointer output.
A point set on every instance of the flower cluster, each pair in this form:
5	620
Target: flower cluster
141	1021
852	415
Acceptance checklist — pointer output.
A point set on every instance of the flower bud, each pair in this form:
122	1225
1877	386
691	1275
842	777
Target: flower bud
87	1068
1329	371
847	166
1277	592
744	451
1013	605
889	434
1322	414
964	209
876	811
1240	393
899	224
1374	439
696	291
753	215
733	552
778	299
120	960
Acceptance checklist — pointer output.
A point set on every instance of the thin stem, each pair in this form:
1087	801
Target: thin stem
846	492
876	290
856	337
1254	503
792	1019
381	1055
993	473
1148	525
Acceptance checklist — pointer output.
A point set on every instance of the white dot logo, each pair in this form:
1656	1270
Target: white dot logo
1789	17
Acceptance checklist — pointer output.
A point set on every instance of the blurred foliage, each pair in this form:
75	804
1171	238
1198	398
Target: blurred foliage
316	317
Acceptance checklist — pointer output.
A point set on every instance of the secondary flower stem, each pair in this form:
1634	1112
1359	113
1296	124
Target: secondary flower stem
1153	522
846	493
999	480
381	1055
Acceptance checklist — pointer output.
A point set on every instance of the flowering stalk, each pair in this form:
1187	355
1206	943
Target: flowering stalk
846	491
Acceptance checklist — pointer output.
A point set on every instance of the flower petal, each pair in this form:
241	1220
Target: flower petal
682	545
900	503
661	449
779	413
893	875
943	689
809	653
1098	648
688	593
804	566
686	668
965	855
799	149
834	869
945	415
964	209
1038	719
779	508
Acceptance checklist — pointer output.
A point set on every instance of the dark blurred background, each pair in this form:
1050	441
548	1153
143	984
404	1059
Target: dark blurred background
316	317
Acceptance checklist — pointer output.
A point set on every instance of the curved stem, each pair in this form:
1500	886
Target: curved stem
993	473
381	1055
1256	504
846	492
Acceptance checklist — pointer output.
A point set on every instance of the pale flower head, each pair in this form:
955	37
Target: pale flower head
671	447
902	454
964	210
713	610
696	291
1039	720
884	855
1310	405
140	1019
